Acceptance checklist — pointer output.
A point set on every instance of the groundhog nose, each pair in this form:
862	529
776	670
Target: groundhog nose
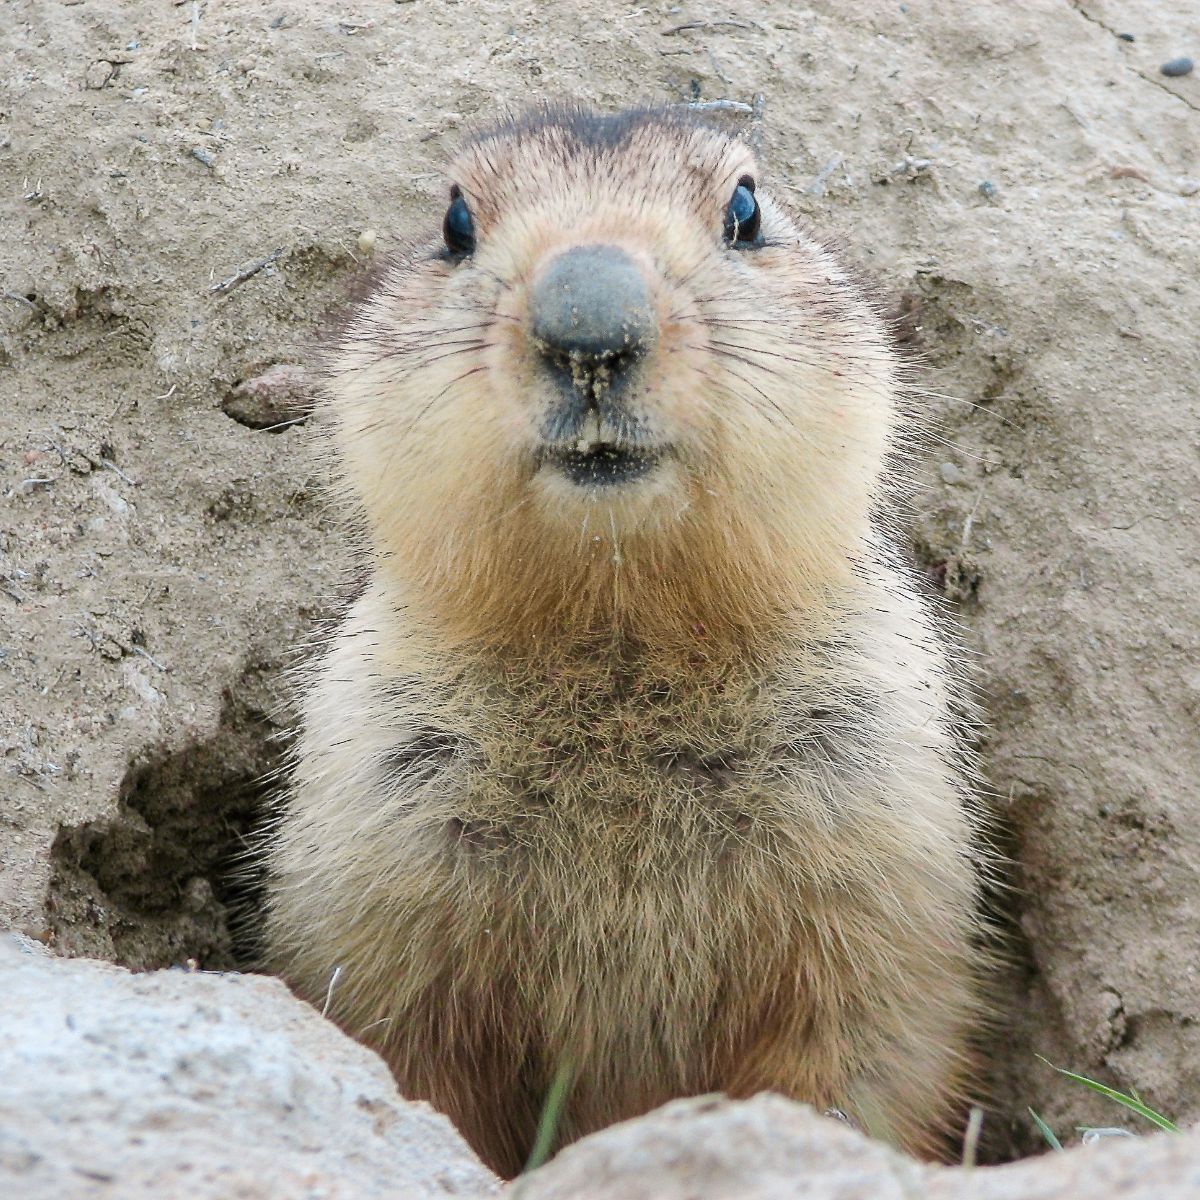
592	302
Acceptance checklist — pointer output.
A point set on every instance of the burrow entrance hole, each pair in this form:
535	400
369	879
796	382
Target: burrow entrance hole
172	878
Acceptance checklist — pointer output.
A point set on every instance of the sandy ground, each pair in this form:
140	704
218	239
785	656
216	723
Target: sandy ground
181	202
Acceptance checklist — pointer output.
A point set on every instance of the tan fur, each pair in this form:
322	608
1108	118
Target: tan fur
657	785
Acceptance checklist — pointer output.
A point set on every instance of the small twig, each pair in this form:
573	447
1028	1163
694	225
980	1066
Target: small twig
737	106
112	466
9	588
333	979
147	656
236	280
757	111
708	25
716	66
969	524
168	393
971	1137
283	424
374	1024
195	24
817	186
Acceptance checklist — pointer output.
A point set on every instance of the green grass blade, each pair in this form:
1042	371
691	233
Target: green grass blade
1046	1131
1129	1102
552	1110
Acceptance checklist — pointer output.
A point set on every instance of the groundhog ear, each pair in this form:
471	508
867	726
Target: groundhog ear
743	216
459	227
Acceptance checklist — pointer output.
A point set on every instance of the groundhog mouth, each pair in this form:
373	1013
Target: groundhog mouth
601	464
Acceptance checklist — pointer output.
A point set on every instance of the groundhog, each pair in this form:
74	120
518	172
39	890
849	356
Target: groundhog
636	763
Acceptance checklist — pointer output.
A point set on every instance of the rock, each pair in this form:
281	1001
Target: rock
177	1083
119	1086
279	396
771	1149
99	75
724	1150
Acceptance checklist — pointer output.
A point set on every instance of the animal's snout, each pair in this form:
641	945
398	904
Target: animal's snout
591	309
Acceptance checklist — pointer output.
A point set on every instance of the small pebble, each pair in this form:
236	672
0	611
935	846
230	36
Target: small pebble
1189	187
1091	1136
1127	37
366	241
950	473
202	155
99	75
1177	66
987	189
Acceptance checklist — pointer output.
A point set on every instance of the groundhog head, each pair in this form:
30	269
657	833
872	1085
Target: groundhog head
621	376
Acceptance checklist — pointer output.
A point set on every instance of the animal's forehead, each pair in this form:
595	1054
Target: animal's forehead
656	150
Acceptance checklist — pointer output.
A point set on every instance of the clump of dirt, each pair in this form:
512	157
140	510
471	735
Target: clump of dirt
188	190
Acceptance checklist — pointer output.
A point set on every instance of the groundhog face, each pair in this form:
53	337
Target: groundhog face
620	341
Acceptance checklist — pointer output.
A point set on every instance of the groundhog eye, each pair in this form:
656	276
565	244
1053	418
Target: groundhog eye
742	217
458	228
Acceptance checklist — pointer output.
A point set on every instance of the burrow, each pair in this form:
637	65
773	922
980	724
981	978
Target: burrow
173	877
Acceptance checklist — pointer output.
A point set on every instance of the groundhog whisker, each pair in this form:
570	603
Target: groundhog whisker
415	335
725	386
503	516
728	356
708	317
928	436
983	408
462	346
456	380
757	351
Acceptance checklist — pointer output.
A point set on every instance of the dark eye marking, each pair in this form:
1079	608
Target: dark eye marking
743	216
459	226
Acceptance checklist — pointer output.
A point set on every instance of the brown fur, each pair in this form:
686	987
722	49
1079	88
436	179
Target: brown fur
659	783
